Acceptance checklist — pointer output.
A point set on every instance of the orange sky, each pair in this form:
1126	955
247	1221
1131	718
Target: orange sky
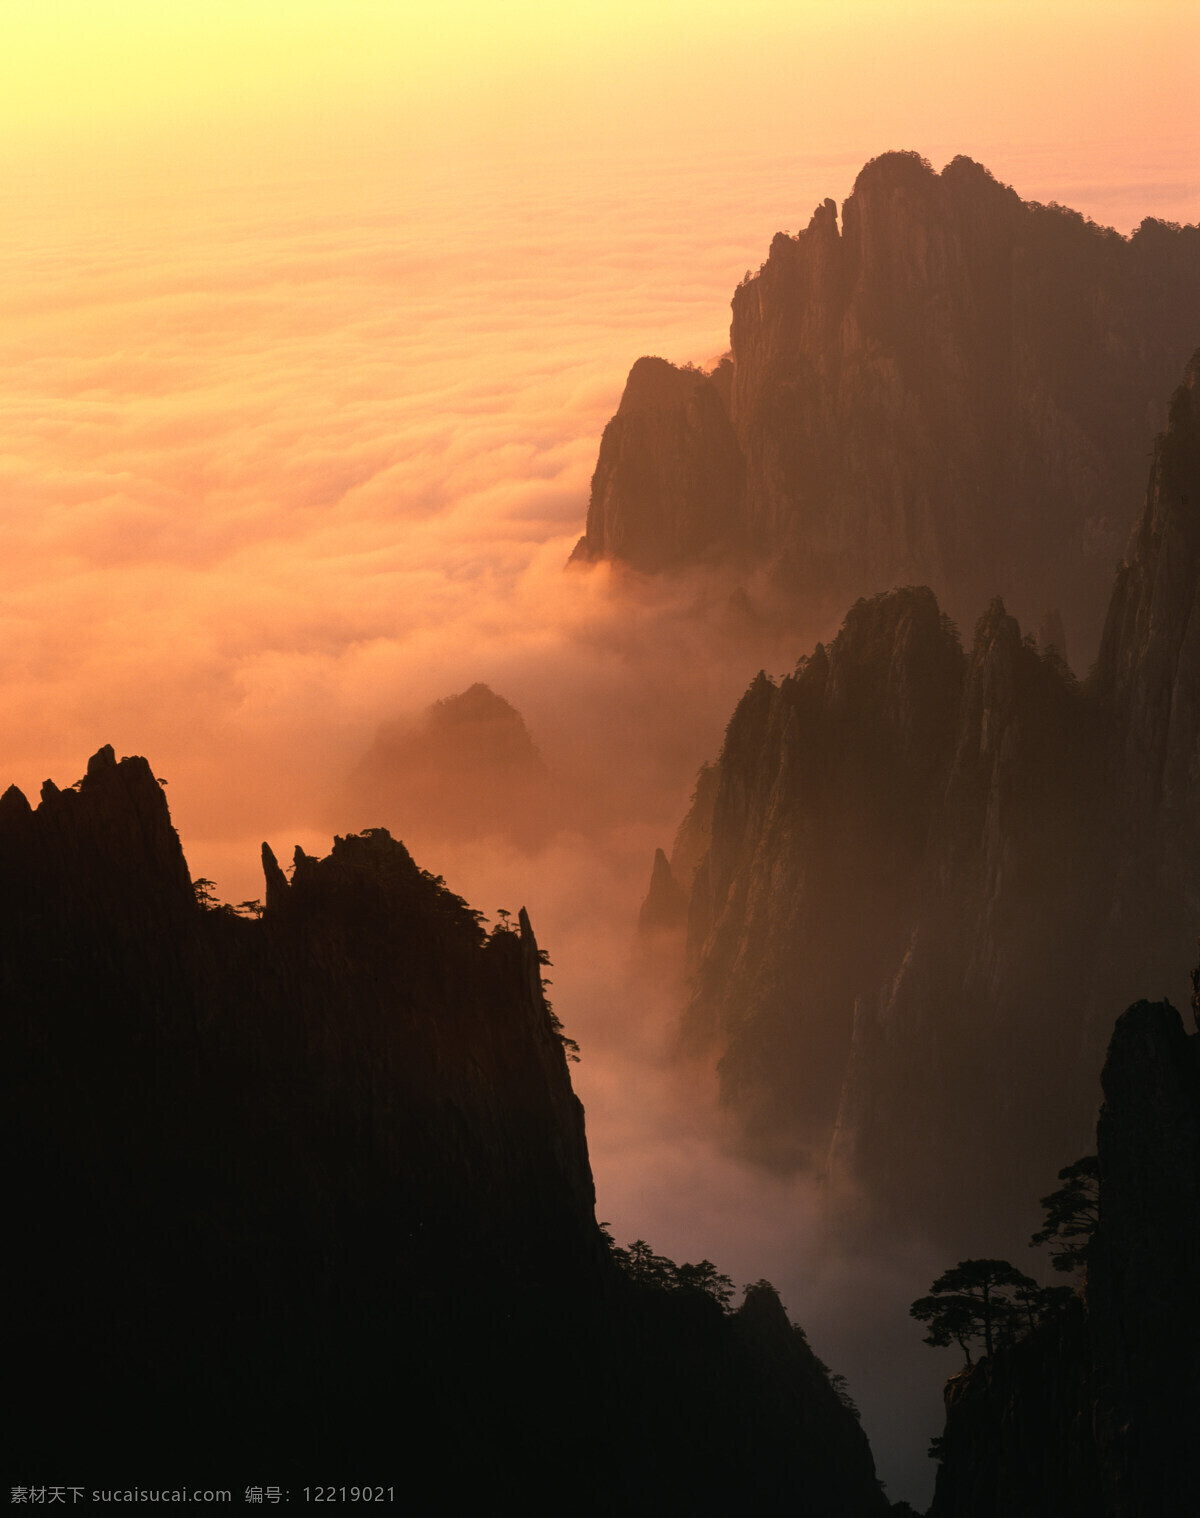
313	314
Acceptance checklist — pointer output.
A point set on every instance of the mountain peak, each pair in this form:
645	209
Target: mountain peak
478	703
656	385
103	759
899	166
665	906
824	219
466	767
14	805
954	390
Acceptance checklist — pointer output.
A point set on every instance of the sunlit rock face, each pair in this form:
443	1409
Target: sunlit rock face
954	388
305	1185
932	874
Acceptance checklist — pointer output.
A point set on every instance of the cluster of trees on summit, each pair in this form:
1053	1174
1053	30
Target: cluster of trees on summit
208	900
656	1272
991	1302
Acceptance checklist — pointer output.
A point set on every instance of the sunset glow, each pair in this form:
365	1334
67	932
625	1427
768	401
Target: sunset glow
313	314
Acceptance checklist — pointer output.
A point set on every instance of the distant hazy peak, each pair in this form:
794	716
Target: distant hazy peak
478	703
465	767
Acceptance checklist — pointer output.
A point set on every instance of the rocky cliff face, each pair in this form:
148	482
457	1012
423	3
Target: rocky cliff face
954	388
665	907
1143	1264
1018	1437
1148	679
927	871
1093	1414
307	1192
820	821
667	486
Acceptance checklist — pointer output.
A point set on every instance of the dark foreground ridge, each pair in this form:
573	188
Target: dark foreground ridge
303	1196
1093	1415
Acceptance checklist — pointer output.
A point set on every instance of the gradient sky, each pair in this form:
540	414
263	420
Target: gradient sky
313	313
697	74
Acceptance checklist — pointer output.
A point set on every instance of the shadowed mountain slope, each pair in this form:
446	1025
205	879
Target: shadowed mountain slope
953	388
305	1196
929	870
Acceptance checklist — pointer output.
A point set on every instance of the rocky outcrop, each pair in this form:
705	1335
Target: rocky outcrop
928	871
241	1143
665	907
817	828
1148	679
694	834
954	388
802	1397
668	480
1092	1416
305	1187
1018	1440
1143	1264
879	931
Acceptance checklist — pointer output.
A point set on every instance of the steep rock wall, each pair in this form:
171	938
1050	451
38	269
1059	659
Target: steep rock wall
1092	1416
928	873
955	389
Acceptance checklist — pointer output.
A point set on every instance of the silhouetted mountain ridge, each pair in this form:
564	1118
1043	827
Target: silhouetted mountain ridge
1093	1413
929	870
954	388
307	1194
